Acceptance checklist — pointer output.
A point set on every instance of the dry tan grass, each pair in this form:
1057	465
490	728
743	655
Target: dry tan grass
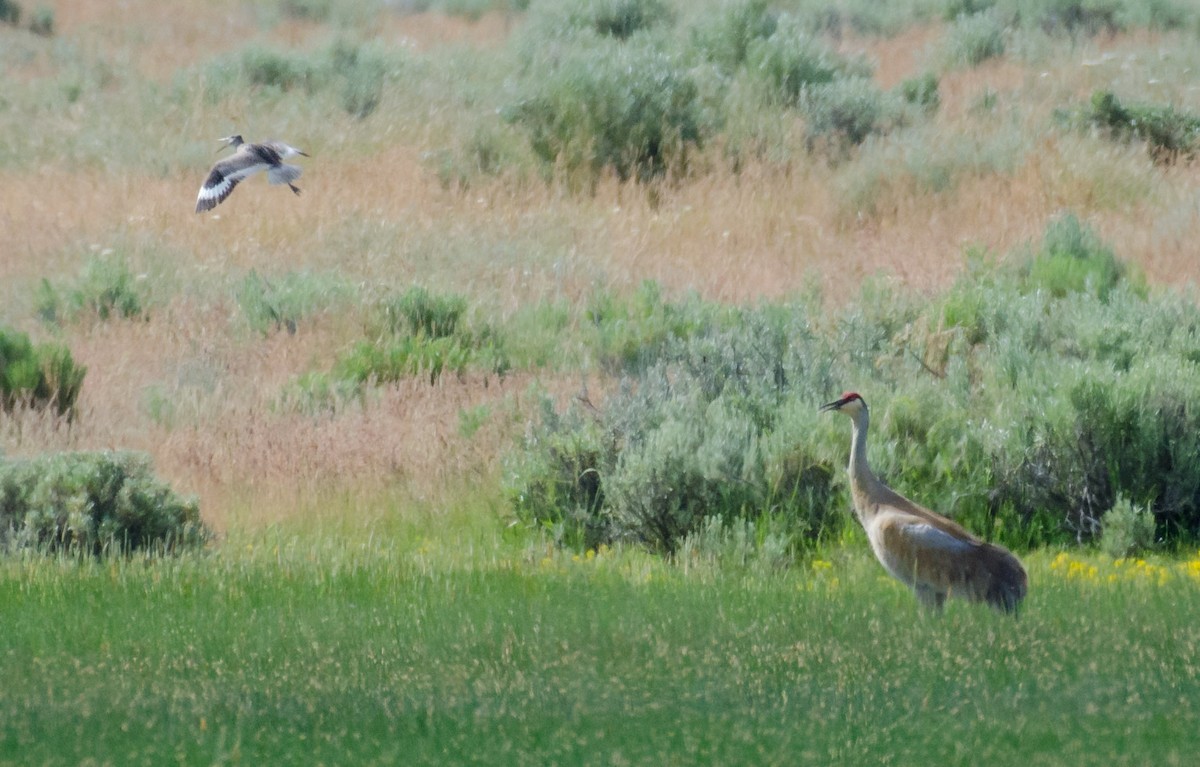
381	217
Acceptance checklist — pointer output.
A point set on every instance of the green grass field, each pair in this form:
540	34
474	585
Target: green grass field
384	645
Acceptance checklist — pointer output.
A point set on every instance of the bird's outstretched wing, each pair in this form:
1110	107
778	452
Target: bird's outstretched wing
224	176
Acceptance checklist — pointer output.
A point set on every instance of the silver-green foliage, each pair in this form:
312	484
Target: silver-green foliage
1022	408
105	289
284	302
627	107
356	73
92	503
1126	530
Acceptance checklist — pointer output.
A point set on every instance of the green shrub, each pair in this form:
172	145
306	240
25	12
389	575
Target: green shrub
42	21
1073	259
791	61
1126	530
627	108
421	313
616	19
843	113
1169	133
1075	17
265	67
1025	415
703	430
727	38
922	92
630	333
285	302
362	71
417	334
93	503
42	377
10	12
953	9
973	39
355	73
622	18
105	289
308	10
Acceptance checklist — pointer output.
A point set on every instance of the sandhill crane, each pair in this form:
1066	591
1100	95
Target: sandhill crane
930	554
246	160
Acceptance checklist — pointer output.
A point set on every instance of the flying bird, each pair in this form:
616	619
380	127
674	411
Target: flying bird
246	160
932	555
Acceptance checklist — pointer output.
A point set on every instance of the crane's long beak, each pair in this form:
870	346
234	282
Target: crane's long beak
832	405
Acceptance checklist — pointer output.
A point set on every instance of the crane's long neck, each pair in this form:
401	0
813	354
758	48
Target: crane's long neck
862	480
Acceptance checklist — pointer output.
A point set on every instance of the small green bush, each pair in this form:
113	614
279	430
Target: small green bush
265	67
622	18
308	10
792	61
93	503
1073	259
1126	530
42	377
42	21
10	12
843	113
421	313
1169	133
105	289
699	429
616	19
363	71
628	333
1076	17
355	73
285	302
415	335
627	108
922	92
973	39
728	36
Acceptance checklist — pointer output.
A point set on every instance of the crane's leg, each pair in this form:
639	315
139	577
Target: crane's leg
930	598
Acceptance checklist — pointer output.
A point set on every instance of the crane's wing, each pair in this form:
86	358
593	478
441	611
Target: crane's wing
224	176
939	560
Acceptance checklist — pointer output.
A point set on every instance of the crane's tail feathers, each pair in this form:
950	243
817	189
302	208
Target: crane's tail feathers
1008	583
283	174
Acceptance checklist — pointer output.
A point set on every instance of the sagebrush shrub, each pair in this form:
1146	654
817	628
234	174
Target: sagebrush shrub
1024	414
1074	259
728	36
10	12
415	335
1170	133
792	60
629	108
846	111
700	429
616	19
1126	530
105	289
284	302
974	38
92	503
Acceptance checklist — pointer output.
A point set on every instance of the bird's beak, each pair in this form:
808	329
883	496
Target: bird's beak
836	404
